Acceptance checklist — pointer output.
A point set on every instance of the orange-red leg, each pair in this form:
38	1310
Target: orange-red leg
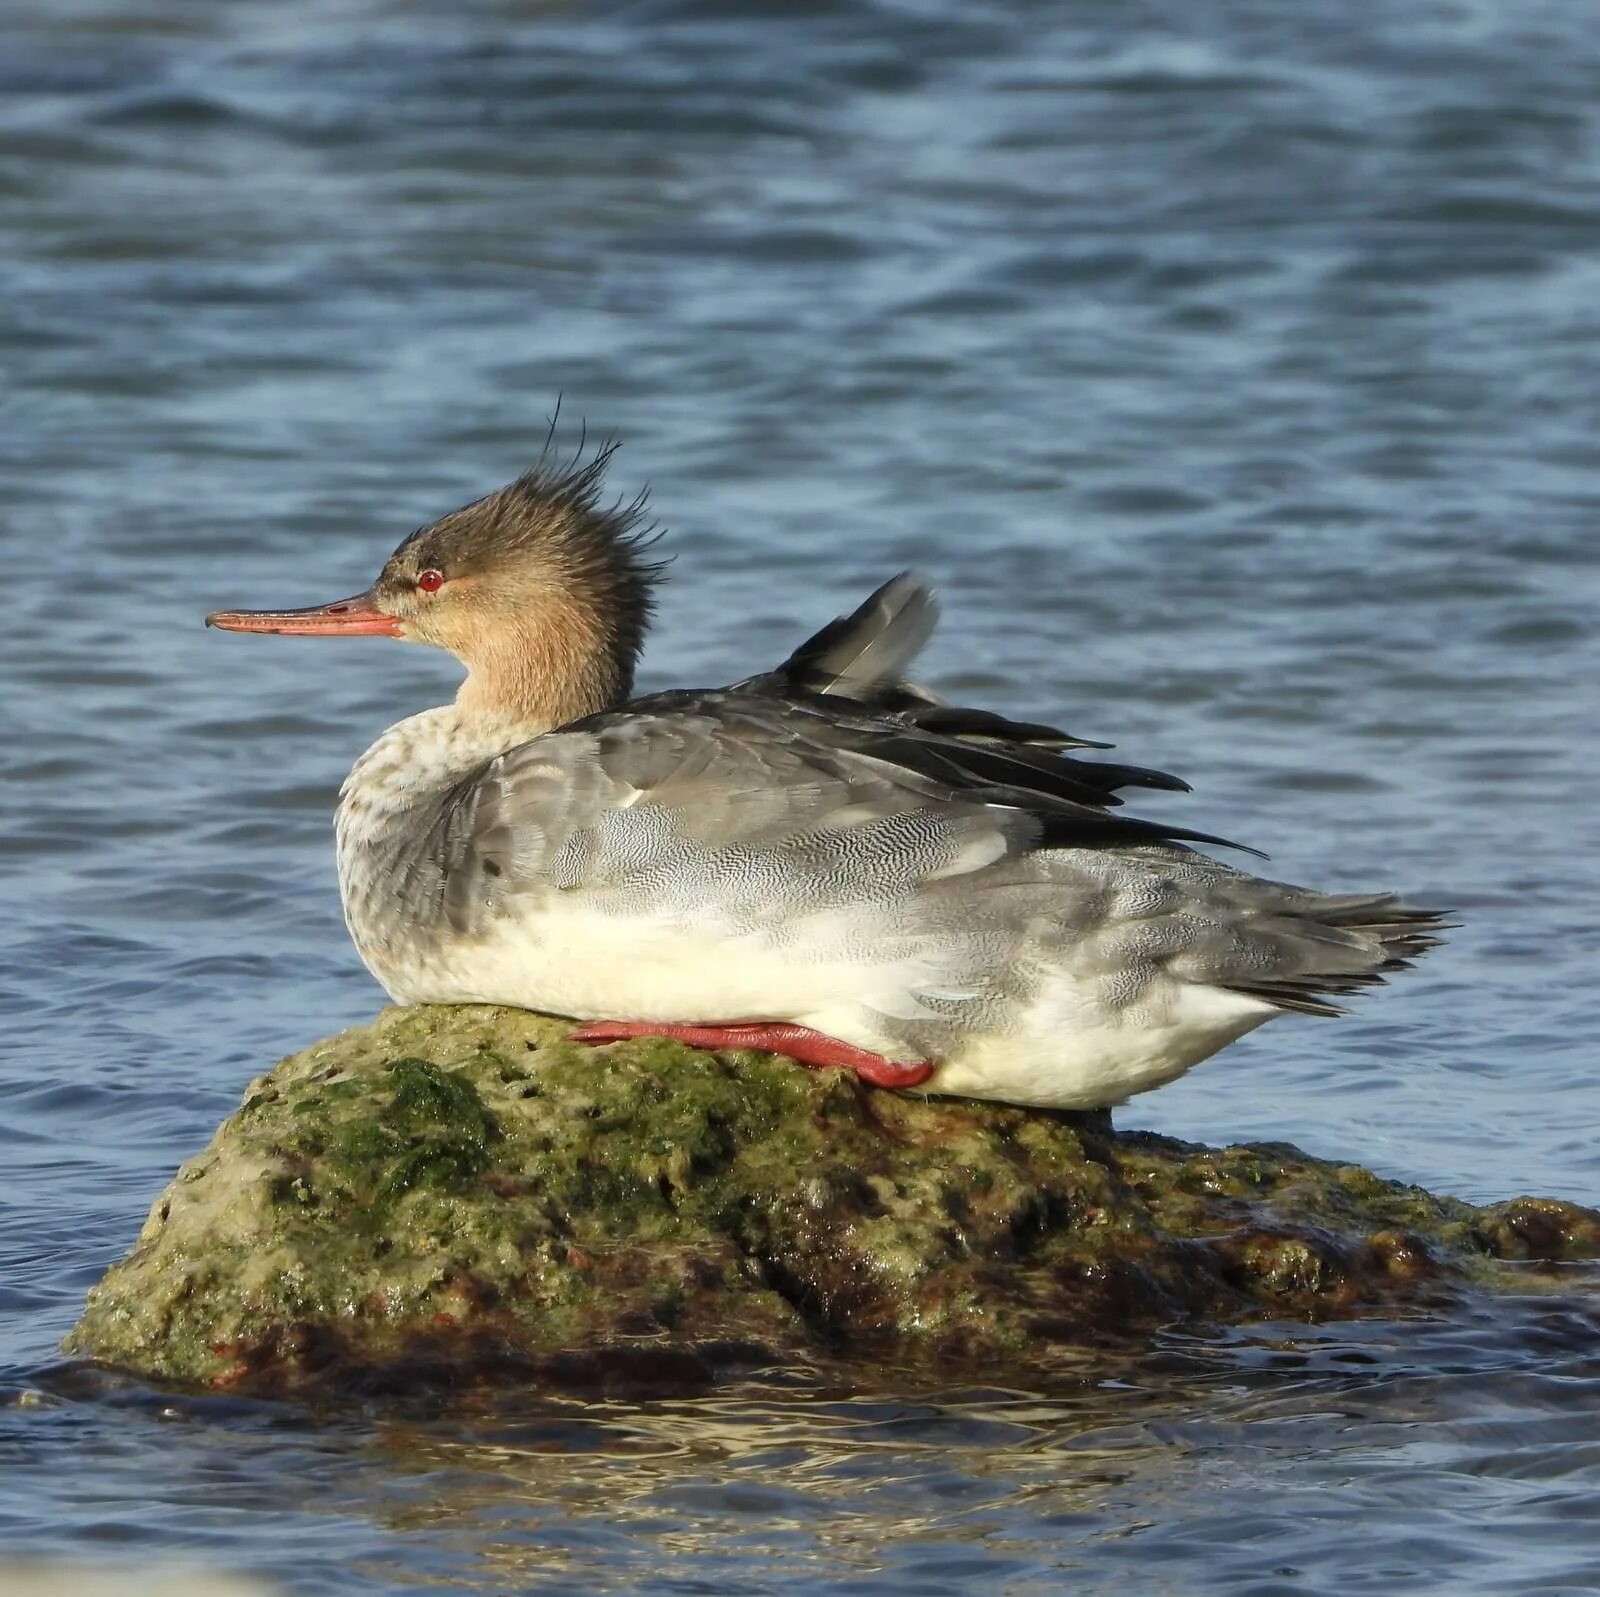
813	1048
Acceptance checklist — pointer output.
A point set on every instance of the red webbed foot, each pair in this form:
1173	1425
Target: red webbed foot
812	1048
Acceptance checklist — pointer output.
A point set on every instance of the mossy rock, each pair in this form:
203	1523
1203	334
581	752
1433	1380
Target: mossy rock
462	1194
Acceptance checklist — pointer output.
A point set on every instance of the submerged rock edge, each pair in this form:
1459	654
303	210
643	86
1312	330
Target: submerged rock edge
461	1195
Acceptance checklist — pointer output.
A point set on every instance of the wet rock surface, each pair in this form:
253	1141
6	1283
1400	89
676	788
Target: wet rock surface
459	1195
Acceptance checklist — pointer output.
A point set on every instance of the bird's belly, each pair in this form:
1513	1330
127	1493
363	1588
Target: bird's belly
1074	1048
593	965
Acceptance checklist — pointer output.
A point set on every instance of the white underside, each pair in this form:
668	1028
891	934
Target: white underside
1072	1045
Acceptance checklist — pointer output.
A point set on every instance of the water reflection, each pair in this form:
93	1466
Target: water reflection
1183	1454
1205	1457
1219	1458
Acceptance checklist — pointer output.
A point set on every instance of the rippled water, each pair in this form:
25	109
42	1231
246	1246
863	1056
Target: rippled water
1232	369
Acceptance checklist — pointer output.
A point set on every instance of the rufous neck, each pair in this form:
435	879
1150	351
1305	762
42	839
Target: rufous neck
540	676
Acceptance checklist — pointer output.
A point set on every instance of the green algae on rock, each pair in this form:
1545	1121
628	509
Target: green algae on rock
463	1194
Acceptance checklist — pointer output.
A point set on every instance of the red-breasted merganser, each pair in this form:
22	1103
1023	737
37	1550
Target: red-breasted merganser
824	861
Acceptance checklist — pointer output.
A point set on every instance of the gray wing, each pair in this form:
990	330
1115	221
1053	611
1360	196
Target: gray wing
691	780
698	806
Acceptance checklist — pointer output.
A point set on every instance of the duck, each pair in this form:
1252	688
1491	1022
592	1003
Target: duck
824	861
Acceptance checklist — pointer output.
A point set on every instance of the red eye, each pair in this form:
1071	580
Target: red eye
431	581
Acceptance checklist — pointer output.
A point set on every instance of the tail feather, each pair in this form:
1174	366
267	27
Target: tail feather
862	658
1336	946
870	649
